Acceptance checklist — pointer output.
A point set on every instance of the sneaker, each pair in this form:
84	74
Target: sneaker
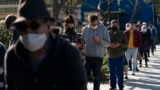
126	77
113	89
137	69
133	74
121	89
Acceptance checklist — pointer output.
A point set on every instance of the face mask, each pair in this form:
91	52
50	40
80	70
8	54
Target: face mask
70	31
33	42
11	29
127	28
132	27
144	30
94	27
114	28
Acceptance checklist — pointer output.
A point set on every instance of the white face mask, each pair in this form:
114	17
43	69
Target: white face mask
33	42
128	28
94	27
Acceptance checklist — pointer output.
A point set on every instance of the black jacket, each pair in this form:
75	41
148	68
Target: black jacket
61	70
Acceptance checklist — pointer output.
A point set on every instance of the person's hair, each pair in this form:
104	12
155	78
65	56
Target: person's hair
69	19
114	21
92	17
9	19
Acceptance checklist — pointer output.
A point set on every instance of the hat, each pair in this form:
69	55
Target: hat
9	19
31	10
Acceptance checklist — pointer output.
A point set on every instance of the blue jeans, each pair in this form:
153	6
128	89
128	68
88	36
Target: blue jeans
94	64
116	70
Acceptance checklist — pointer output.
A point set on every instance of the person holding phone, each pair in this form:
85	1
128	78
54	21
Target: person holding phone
96	38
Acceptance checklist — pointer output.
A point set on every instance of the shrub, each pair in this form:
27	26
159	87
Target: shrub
104	69
5	36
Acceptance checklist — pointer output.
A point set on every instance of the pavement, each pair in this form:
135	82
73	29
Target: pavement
145	79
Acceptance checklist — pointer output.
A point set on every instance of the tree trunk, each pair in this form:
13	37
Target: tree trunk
56	8
109	10
137	2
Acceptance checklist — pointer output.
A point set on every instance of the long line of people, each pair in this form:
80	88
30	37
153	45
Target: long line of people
123	49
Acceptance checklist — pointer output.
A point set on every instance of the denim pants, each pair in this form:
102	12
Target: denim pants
116	71
132	52
94	64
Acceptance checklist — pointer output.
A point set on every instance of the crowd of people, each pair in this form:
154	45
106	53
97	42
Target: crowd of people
44	57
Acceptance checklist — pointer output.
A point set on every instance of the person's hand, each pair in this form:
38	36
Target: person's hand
96	39
77	45
117	45
74	44
114	45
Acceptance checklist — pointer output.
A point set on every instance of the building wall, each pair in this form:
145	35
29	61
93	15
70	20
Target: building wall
124	9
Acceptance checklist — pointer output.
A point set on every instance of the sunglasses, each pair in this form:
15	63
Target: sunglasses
23	26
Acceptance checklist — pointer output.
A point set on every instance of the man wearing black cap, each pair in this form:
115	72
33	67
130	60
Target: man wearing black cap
40	60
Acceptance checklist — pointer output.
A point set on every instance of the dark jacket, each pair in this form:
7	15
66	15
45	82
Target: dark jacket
2	53
145	45
117	37
137	39
62	68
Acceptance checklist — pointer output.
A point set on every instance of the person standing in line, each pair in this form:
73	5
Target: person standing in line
144	45
70	34
153	32
134	41
116	52
127	26
9	19
41	60
144	24
96	38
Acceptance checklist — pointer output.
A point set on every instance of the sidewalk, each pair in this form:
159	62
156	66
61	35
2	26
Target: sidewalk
145	79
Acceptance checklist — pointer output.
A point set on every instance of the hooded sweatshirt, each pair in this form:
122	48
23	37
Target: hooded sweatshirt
92	48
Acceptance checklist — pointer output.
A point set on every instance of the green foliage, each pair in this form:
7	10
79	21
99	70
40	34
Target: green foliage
104	69
5	36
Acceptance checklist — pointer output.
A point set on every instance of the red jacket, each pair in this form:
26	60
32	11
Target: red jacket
137	38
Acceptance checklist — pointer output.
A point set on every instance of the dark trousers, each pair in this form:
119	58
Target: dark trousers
94	64
116	71
153	46
144	53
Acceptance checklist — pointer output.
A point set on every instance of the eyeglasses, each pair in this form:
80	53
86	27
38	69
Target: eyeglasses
23	26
